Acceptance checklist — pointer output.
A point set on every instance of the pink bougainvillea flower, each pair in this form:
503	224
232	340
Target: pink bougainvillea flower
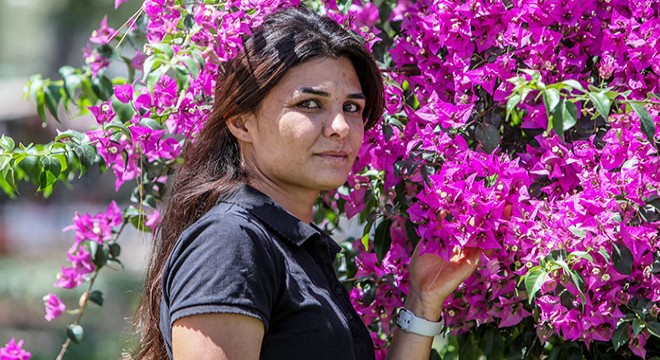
104	34
364	15
54	307
94	60
14	351
124	93
103	113
69	278
96	228
153	220
81	260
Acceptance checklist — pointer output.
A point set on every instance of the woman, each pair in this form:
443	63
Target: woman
247	276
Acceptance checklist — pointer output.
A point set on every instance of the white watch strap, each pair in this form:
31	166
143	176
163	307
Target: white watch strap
409	322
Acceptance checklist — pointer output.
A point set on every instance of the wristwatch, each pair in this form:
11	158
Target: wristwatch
411	323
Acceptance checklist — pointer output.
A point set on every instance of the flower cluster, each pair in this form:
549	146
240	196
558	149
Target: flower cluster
54	307
535	200
569	211
14	351
97	229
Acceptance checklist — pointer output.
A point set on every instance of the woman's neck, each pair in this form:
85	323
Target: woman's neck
299	203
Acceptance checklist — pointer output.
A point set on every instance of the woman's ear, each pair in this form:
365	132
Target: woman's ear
239	127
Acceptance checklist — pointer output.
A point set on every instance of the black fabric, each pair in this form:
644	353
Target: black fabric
249	256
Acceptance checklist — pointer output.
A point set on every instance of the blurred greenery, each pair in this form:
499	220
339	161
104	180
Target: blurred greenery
41	36
108	333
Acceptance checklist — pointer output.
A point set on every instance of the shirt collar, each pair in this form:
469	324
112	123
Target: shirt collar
278	219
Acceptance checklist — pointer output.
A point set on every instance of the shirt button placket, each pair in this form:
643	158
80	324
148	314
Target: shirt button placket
338	289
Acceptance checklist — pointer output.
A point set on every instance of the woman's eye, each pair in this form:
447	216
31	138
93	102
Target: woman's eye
351	107
309	104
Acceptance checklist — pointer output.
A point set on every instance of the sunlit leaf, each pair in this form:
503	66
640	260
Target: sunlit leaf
646	121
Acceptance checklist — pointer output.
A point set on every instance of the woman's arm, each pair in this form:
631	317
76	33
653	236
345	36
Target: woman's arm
432	281
217	337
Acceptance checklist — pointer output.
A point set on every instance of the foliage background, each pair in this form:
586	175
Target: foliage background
38	37
561	180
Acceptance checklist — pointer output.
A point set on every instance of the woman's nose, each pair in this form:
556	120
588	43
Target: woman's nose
337	126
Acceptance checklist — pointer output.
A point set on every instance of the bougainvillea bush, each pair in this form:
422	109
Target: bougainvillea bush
526	128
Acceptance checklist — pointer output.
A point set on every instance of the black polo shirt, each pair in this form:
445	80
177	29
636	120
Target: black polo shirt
249	256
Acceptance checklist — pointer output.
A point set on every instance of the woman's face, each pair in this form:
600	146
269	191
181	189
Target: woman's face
308	129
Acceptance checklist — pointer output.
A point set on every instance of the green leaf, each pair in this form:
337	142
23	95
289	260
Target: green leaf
99	254
125	112
601	102
102	87
382	238
189	22
569	116
564	117
654	328
106	51
151	124
488	136
33	86
182	79
86	154
535	75
191	64
5	159
72	80
116	261
7	143
369	293
573	84
511	104
577	231
581	255
166	49
551	100
7	182
621	335
88	94
138	222
119	128
387	131
411	232
647	124
78	137
115	249
75	332
491	343
149	64
622	258
41	105
52	97
637	326
96	297
51	164
533	282
365	241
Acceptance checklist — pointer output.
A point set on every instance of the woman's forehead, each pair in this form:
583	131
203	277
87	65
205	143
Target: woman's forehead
322	75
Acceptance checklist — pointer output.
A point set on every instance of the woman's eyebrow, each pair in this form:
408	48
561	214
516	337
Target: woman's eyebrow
313	91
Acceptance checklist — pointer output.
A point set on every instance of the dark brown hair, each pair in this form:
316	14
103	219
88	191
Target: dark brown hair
212	163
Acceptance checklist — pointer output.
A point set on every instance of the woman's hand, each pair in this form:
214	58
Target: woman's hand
433	279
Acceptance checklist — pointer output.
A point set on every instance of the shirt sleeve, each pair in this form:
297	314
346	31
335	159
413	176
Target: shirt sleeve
222	264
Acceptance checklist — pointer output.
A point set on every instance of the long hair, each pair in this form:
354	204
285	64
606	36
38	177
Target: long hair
212	163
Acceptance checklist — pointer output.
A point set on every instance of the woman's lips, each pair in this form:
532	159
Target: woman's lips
333	155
